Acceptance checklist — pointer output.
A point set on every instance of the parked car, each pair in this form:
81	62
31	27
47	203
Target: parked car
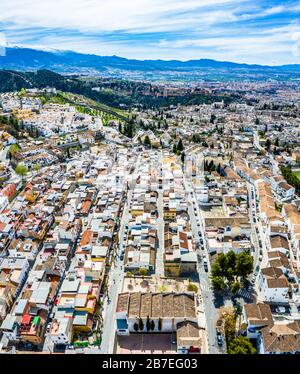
219	339
280	310
122	256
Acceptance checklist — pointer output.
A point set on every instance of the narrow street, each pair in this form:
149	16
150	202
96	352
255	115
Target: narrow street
211	312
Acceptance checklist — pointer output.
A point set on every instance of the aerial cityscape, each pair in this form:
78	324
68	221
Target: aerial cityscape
149	205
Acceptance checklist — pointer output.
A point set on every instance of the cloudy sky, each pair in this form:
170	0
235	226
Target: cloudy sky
256	31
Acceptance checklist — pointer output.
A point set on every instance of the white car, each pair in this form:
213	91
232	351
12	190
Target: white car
280	310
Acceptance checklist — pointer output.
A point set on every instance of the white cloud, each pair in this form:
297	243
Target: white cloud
239	30
104	15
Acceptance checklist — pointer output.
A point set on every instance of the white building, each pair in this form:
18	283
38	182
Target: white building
273	285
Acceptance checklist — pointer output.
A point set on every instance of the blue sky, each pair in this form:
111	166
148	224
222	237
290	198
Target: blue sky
256	31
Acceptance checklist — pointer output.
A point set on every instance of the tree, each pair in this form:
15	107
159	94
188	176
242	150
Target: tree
238	310
21	170
143	271
229	268
244	264
147	141
218	283
175	148
159	324
192	287
13	149
268	144
148	324
136	327
241	345
212	118
235	287
229	326
37	167
141	324
182	157
180	146
152	325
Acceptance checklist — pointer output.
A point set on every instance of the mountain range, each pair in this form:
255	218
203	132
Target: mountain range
26	59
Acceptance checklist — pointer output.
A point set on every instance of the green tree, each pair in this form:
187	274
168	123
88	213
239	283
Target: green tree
180	146
241	345
235	287
182	157
238	310
212	118
147	141
37	167
244	264
218	283
21	170
13	149
192	287
268	144
143	271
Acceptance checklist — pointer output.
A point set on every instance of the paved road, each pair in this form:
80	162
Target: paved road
159	266
114	287
211	313
115	284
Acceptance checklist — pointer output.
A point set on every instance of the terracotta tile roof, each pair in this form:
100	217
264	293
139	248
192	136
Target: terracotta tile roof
282	338
258	314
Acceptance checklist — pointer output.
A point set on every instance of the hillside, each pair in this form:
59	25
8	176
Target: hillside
26	59
113	93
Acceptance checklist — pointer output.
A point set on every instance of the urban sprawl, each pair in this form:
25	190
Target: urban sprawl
169	230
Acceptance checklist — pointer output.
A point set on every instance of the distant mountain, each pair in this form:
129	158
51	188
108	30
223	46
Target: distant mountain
26	59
